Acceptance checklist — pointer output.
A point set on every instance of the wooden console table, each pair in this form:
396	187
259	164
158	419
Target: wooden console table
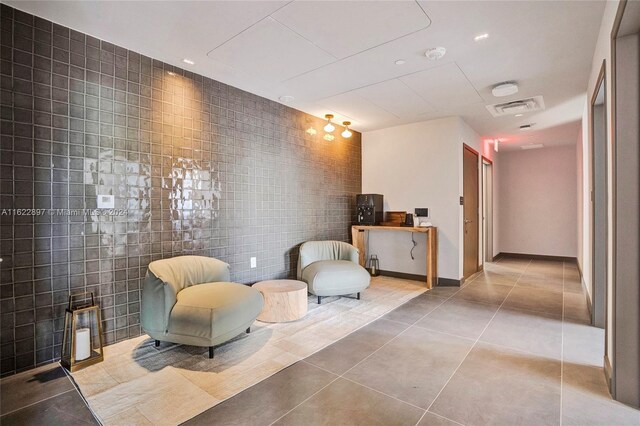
357	234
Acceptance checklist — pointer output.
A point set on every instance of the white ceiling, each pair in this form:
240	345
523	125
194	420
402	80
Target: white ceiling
339	56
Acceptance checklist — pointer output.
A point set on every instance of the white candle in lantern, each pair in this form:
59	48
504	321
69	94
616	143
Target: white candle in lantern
83	344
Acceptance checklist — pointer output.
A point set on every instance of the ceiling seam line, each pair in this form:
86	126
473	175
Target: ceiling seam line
249	27
306	39
389	79
358	53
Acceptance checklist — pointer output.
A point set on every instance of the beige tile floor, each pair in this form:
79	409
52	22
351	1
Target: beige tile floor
511	347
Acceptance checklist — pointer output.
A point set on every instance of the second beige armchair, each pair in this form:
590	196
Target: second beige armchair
331	268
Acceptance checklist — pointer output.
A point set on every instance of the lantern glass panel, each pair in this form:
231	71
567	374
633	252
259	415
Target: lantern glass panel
82	343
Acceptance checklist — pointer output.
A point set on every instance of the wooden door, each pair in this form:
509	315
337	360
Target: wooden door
470	199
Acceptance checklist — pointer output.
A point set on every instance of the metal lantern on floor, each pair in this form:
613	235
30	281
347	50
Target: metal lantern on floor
82	340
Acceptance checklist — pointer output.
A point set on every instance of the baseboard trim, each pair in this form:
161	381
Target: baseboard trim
536	257
443	282
450	282
584	289
404	276
607	375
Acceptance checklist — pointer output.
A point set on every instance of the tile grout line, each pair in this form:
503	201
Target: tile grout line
475	343
368	356
37	402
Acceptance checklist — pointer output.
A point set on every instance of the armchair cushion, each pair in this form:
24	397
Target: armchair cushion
335	277
313	251
212	310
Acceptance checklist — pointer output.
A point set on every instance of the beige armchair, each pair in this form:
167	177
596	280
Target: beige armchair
331	268
189	300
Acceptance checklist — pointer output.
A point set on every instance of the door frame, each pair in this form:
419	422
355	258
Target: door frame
601	82
479	177
623	369
487	211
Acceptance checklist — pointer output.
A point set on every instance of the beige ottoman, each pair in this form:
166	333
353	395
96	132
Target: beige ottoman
284	300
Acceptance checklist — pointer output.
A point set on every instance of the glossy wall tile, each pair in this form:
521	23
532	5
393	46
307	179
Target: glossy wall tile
195	167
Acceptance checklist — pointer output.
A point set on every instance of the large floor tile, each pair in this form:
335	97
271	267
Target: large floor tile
415	309
346	403
349	351
541	283
489	276
528	331
459	317
65	409
414	366
515	265
547	302
583	344
484	293
586	400
499	386
32	386
268	400
575	307
572	285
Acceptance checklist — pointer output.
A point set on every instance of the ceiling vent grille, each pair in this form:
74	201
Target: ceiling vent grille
520	106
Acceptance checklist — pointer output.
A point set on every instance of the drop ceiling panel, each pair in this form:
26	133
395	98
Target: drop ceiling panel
443	87
394	96
272	51
164	30
361	111
347	27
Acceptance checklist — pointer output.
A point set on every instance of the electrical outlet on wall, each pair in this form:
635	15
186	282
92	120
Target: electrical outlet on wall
254	262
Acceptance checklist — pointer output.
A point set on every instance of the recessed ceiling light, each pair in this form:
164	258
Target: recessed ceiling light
519	115
525	127
481	37
504	89
188	61
286	98
532	146
400	62
435	53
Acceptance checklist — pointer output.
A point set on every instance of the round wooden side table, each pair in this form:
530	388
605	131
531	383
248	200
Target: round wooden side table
284	300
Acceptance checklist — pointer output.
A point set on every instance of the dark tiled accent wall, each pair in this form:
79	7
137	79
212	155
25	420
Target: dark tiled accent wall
200	168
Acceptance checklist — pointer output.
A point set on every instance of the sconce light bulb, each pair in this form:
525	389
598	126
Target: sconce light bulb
329	127
346	133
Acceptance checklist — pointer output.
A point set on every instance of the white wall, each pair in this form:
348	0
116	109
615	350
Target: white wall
538	201
580	200
418	165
